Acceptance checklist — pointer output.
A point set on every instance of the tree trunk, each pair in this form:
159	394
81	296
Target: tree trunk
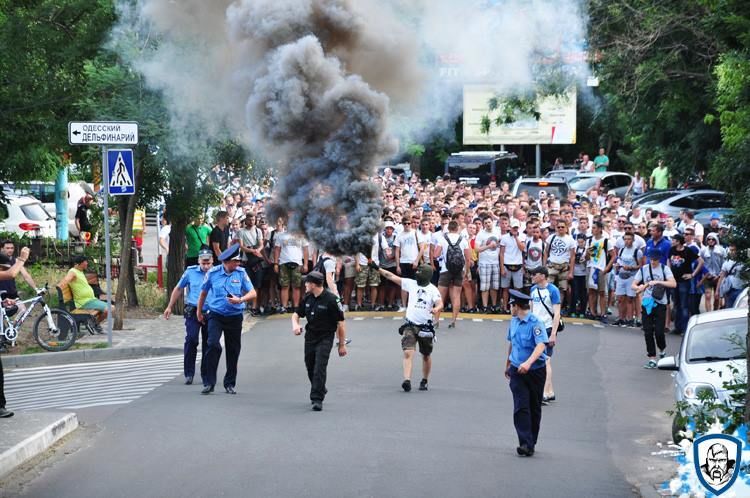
126	282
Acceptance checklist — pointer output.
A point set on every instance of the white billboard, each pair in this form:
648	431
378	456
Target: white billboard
557	123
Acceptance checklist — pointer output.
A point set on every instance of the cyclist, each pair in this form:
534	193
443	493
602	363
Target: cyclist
9	274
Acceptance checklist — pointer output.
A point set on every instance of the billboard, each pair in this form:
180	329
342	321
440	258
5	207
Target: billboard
557	124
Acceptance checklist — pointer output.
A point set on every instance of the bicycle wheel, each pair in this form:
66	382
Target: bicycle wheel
61	337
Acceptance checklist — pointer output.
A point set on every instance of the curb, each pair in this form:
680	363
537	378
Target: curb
463	316
37	443
85	356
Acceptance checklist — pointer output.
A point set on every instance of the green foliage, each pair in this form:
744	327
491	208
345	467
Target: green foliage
41	69
415	150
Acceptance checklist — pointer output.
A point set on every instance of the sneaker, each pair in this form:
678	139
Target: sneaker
549	398
401	309
638	323
650	364
406	385
5	413
618	323
254	312
317	406
423	385
452	325
345	308
662	353
604	320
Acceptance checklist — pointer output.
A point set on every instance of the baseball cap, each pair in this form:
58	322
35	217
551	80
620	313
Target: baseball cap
715	216
389	224
515	224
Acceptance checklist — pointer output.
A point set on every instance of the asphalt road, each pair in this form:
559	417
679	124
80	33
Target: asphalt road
372	439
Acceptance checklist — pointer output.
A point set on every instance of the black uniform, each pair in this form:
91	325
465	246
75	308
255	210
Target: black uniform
323	314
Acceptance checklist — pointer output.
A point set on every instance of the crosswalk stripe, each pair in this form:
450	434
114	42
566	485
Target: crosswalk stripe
86	385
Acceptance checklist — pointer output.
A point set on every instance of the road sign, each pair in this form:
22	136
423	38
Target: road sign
103	133
120	167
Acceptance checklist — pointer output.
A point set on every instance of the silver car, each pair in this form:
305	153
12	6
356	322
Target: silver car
711	350
702	202
613	181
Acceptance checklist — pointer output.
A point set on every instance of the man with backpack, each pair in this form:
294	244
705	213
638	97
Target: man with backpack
600	257
627	264
546	304
454	267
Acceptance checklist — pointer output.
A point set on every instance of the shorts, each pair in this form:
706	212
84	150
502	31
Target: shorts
601	284
407	271
367	277
448	279
611	281
489	277
410	339
549	350
624	287
350	270
558	275
710	283
515	276
95	304
290	276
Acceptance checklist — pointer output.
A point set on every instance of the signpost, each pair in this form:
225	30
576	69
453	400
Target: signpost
119	177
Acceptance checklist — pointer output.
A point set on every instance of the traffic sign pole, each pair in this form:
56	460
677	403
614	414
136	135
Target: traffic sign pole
107	252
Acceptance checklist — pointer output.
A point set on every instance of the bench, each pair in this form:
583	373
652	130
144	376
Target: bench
88	318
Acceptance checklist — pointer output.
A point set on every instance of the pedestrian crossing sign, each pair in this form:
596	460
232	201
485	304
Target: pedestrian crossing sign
120	166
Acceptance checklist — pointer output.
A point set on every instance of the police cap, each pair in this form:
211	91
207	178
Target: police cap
230	253
517	297
314	277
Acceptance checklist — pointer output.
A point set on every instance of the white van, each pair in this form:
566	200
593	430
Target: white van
45	193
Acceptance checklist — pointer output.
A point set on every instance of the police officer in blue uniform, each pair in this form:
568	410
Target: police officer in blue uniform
230	288
192	280
525	369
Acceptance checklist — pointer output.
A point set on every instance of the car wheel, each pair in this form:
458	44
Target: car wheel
677	431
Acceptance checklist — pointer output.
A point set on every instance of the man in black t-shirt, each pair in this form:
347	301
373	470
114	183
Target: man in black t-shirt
681	259
82	215
325	318
219	238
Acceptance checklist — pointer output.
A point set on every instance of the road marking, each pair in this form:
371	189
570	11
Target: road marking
378	317
359	318
477	320
85	385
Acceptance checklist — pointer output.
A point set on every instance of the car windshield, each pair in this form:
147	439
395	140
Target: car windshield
533	189
35	212
717	341
583	183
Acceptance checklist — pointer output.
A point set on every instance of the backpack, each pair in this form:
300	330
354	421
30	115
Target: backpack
321	267
454	257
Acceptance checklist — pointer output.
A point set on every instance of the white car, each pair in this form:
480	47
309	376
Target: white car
741	301
45	193
711	349
25	215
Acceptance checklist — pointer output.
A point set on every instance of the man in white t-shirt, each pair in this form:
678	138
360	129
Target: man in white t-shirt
424	303
512	245
407	255
533	252
366	276
487	244
290	252
601	256
452	281
561	255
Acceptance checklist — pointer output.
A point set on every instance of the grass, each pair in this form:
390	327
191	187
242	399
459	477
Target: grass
75	347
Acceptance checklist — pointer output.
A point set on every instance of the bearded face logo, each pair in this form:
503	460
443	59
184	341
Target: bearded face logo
717	461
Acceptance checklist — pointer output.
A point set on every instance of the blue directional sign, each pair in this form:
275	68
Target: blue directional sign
121	177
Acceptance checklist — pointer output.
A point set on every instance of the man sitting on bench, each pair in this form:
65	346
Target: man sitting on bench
83	294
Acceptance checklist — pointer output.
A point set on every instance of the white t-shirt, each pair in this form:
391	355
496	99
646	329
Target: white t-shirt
164	234
291	247
407	241
464	244
488	256
534	251
512	255
425	239
638	242
421	301
601	246
697	228
636	220
374	253
559	248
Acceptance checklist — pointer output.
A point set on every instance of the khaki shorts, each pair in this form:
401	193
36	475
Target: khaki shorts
290	276
367	277
558	275
410	340
448	279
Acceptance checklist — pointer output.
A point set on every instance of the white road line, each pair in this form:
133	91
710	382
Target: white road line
477	320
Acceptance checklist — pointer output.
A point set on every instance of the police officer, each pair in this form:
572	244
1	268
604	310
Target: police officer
192	280
325	317
525	369
231	289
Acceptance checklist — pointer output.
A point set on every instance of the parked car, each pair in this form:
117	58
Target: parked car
702	202
711	349
25	215
555	186
565	173
612	181
741	301
45	193
398	169
481	167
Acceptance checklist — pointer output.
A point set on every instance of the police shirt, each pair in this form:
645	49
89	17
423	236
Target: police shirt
223	284
524	334
323	314
193	280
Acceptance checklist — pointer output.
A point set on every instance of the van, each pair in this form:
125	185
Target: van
482	167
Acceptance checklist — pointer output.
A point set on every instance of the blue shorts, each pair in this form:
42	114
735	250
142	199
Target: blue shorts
95	304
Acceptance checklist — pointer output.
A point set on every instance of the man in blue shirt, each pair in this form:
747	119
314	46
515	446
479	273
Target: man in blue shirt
525	369
658	241
192	280
231	289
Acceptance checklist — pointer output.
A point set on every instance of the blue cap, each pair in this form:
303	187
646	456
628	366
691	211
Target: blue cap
426	209
655	253
715	216
205	253
518	297
230	253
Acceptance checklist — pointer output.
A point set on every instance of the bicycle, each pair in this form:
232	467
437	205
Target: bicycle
54	330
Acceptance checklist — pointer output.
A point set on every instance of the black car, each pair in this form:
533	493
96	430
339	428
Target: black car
480	168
